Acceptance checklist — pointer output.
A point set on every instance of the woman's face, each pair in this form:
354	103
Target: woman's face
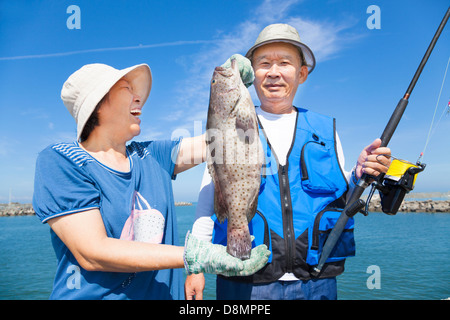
119	114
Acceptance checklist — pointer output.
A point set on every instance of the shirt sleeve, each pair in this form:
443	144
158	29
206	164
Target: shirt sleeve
61	187
204	225
165	152
349	175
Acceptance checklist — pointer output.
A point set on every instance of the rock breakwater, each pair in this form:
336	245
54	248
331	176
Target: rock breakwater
178	204
426	205
414	206
20	209
16	209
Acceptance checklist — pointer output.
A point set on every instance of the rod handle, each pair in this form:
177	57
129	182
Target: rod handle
393	122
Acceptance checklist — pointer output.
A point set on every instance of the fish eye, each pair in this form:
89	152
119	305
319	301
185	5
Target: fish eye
213	81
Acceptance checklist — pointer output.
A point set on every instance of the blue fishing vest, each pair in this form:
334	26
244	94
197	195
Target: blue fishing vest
299	203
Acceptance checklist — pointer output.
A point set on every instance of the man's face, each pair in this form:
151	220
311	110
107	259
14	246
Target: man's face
278	72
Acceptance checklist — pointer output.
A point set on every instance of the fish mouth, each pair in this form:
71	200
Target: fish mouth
228	71
224	72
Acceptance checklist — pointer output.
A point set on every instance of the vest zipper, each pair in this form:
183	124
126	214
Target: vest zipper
285	197
286	208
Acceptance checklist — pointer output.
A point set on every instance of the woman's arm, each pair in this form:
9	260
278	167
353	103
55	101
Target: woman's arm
85	236
192	152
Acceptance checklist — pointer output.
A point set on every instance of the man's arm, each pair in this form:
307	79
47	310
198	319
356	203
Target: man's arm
202	229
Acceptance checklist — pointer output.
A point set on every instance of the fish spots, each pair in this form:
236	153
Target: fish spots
234	157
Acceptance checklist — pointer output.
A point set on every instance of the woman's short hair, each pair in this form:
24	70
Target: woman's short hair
92	122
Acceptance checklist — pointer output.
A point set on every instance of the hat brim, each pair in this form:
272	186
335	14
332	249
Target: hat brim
139	76
307	52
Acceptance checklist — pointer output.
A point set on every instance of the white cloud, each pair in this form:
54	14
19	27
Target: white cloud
148	134
326	39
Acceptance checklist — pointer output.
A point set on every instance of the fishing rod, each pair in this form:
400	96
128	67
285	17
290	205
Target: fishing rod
355	204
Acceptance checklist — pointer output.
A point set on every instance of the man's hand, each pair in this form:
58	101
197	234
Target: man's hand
194	286
373	160
245	68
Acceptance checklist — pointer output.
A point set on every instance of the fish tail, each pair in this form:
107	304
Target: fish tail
239	243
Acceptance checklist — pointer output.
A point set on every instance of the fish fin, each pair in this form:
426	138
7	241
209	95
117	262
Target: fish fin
220	206
248	129
211	171
245	119
253	204
243	122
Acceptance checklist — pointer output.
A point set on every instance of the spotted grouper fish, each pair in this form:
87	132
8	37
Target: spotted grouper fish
234	156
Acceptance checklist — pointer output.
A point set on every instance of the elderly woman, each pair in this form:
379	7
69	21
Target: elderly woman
110	205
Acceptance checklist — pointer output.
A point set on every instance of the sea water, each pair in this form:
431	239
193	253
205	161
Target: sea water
406	256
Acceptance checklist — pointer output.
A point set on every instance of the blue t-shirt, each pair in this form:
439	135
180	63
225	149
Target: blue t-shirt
136	205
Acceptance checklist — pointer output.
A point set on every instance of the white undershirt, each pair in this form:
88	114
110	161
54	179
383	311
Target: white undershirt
279	130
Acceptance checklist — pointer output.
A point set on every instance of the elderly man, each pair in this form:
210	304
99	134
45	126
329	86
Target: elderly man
303	185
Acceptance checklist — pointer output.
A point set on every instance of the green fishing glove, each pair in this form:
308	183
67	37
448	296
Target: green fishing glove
205	257
245	68
258	259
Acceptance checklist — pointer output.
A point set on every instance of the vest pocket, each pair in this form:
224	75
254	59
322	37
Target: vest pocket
321	228
318	167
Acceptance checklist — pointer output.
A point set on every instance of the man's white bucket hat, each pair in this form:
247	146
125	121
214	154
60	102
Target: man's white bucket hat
281	32
84	89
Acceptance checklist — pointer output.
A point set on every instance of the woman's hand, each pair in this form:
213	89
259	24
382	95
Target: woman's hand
204	257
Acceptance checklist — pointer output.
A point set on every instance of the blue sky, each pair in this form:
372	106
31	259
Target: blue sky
361	73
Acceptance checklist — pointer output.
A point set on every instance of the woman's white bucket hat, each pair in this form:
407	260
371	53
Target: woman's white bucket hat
84	89
281	32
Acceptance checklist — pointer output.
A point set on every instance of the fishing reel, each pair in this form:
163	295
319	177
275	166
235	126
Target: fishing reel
395	184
